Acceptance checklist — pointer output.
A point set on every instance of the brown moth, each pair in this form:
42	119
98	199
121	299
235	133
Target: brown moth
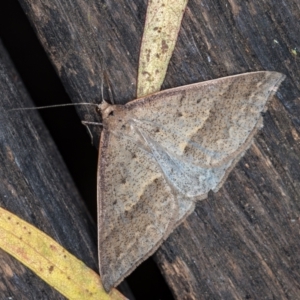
161	153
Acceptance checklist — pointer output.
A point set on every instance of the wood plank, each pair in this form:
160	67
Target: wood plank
36	186
241	242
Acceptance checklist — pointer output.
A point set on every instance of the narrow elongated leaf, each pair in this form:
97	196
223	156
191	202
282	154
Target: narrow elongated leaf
161	29
50	261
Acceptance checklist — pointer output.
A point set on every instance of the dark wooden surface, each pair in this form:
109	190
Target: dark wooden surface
35	185
241	243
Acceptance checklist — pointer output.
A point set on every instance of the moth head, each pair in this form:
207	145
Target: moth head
106	109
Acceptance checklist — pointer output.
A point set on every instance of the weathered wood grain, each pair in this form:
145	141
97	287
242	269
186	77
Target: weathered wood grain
241	243
35	185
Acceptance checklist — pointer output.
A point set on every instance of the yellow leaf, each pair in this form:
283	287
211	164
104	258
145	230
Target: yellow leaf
50	261
161	29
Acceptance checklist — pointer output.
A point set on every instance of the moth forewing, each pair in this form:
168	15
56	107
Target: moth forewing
161	153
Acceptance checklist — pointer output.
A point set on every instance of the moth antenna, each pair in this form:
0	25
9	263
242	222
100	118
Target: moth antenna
104	77
111	97
86	124
102	95
102	67
51	106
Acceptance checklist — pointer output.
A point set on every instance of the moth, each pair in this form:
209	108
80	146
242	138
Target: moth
161	153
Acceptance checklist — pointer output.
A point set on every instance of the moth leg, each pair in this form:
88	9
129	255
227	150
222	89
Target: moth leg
86	124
